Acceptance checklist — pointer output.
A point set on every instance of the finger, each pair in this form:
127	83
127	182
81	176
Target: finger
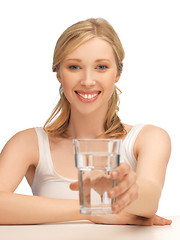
161	221
142	221
74	186
125	184
130	219
156	220
125	199
120	171
168	221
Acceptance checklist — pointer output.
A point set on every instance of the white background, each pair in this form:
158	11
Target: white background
149	31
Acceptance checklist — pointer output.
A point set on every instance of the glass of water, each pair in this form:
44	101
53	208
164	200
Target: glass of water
95	159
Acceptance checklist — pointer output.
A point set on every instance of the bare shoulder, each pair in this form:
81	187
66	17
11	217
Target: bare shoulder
18	155
24	137
27	133
153	138
25	143
151	132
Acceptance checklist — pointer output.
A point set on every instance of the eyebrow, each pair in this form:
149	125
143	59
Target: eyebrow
73	59
79	60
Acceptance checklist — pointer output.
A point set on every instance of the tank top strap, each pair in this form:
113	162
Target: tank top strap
44	151
132	134
128	144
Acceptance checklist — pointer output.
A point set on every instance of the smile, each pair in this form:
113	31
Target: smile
87	96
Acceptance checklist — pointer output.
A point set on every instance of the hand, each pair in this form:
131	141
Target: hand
125	191
93	180
124	218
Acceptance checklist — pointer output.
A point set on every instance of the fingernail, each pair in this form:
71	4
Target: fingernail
116	207
114	174
111	193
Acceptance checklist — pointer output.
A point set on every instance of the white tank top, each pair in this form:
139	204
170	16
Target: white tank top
48	183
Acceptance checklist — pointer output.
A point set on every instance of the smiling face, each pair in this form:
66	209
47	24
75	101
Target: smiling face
88	75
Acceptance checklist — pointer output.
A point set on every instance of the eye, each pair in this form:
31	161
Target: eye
74	67
102	67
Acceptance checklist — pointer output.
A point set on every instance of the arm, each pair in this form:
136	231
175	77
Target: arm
18	155
138	193
22	209
152	149
153	152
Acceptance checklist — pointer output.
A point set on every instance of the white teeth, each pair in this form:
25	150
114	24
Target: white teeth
88	96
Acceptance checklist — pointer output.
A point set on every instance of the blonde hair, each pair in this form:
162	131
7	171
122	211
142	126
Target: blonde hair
71	38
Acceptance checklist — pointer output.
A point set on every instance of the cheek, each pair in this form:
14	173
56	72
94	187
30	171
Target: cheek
67	87
109	84
66	80
66	84
109	81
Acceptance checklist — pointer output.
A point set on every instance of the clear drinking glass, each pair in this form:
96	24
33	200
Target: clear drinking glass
95	159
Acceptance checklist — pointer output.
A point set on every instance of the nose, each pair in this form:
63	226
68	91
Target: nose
87	79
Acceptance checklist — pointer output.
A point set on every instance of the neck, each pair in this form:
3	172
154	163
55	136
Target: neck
86	125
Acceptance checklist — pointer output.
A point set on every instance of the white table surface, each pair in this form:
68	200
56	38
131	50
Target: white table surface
84	230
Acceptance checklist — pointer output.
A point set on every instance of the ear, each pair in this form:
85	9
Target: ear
58	75
117	77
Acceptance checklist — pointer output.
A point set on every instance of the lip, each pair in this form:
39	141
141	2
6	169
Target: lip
87	100
88	91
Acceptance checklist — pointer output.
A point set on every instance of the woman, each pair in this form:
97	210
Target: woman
88	62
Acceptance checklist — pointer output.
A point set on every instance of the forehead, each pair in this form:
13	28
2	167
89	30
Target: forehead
92	49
